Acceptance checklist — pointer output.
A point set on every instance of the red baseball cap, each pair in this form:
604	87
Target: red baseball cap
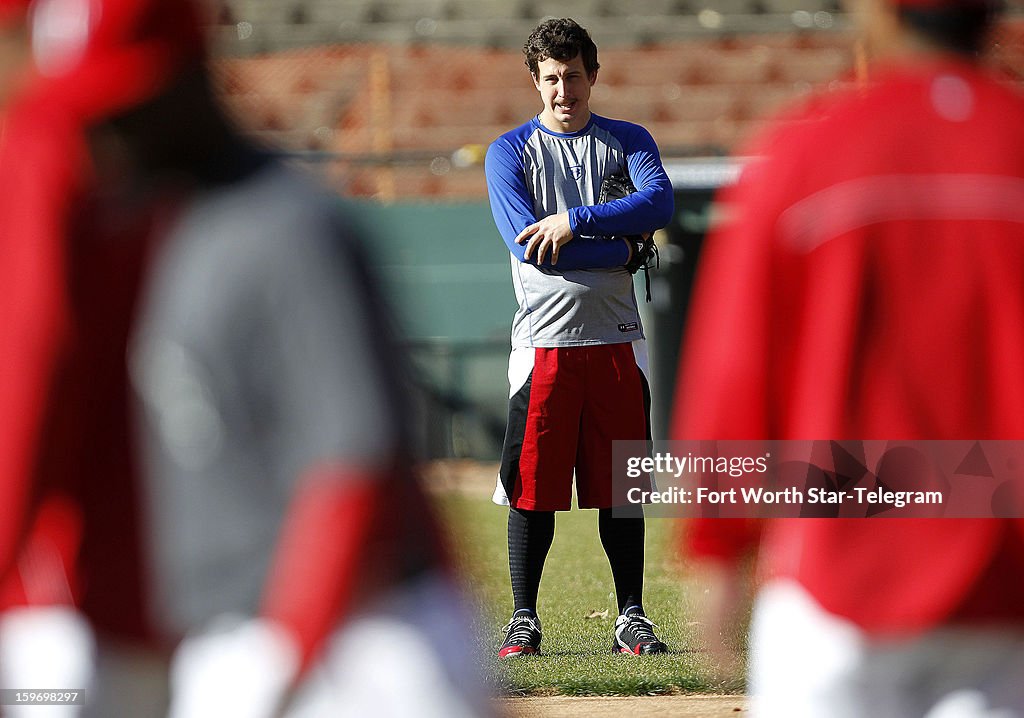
105	56
11	11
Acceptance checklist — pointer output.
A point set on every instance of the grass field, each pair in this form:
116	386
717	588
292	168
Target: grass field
577	608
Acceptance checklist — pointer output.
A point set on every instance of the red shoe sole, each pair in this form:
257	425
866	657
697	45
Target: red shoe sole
514	651
637	652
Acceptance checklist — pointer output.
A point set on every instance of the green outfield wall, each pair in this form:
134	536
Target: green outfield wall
447	275
446	266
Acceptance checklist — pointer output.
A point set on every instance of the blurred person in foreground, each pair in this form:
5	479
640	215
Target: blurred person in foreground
867	286
577	370
200	353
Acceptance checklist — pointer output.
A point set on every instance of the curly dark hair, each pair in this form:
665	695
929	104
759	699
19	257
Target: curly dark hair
560	39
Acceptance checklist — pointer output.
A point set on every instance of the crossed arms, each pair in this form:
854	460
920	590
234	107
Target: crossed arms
548	240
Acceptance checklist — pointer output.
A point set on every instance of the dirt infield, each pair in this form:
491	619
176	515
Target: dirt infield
615	707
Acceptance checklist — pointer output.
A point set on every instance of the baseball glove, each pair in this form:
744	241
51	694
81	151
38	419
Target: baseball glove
645	251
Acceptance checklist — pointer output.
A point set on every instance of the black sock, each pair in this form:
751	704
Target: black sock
623	541
529	537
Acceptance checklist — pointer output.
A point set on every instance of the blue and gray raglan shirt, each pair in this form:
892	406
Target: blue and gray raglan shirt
532	172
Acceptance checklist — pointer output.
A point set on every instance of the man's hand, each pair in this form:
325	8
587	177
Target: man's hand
550	233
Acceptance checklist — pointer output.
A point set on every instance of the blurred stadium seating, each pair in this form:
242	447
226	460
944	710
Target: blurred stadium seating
391	90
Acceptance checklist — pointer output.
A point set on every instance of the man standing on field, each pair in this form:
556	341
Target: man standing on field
578	362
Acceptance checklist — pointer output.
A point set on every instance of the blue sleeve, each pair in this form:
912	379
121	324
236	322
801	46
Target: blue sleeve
512	208
647	209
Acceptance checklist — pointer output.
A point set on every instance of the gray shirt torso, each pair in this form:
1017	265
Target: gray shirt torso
258	354
578	306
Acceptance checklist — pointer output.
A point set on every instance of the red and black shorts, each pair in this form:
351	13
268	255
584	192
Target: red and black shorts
566	407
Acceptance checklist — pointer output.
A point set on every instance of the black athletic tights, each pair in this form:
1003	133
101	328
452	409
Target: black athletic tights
529	537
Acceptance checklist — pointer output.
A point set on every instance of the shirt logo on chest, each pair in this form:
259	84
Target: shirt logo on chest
576	171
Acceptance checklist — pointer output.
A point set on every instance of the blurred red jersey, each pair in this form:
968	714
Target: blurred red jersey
39	158
65	434
868	285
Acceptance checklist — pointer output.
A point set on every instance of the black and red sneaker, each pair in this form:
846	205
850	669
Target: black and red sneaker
522	636
634	634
